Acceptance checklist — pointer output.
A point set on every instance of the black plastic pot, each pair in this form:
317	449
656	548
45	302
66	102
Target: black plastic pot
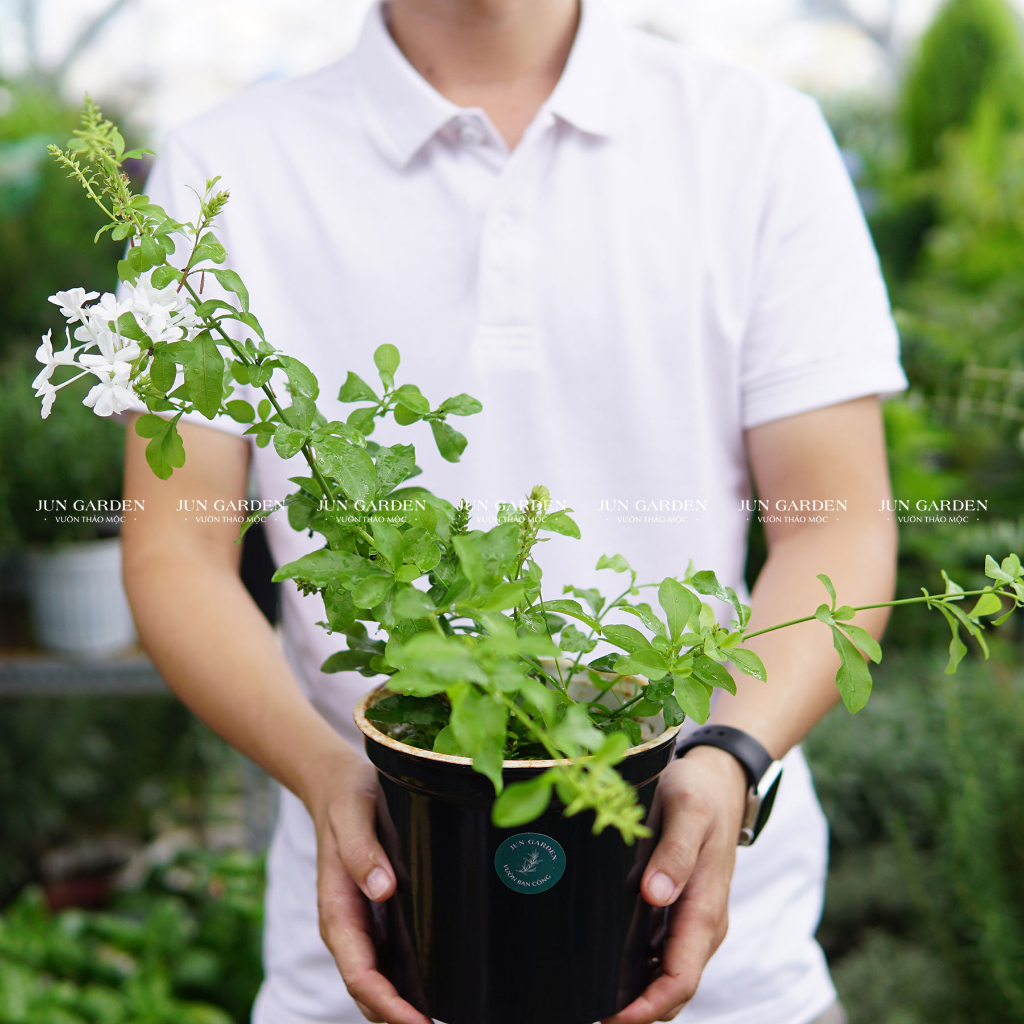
542	924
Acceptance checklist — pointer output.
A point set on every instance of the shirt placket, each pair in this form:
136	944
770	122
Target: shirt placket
507	334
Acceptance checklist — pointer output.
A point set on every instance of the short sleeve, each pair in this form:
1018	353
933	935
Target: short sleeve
820	328
172	178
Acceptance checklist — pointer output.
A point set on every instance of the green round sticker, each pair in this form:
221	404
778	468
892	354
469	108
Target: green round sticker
529	862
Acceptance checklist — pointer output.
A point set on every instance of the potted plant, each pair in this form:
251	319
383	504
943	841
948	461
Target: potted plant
518	762
60	487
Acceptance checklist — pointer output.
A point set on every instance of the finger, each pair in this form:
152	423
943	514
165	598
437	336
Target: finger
368	1013
353	822
687	822
344	925
697	926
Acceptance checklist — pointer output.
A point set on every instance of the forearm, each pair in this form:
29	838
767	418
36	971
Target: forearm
859	555
219	654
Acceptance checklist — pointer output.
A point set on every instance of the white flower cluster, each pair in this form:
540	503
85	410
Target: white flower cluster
162	313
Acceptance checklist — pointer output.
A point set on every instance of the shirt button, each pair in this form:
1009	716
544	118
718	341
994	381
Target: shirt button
471	135
503	225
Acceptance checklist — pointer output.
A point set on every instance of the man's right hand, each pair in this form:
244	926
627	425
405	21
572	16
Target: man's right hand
352	867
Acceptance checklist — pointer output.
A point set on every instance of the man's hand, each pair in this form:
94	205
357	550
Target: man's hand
351	868
704	796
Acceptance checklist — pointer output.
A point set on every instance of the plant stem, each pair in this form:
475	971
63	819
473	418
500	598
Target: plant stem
307	449
934	598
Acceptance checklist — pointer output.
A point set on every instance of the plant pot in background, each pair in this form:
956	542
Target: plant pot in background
542	924
77	600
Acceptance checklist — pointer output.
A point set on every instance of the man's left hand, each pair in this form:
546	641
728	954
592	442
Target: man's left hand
704	796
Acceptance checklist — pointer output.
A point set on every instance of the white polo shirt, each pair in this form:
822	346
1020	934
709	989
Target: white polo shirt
672	254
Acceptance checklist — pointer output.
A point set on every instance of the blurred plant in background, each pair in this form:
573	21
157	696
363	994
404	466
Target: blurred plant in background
182	948
925	913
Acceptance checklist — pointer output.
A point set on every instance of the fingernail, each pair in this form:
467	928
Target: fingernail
377	883
661	887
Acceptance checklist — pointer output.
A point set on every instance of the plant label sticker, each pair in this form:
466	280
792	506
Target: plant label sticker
529	862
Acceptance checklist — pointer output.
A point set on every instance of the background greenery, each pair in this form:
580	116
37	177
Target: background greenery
924	789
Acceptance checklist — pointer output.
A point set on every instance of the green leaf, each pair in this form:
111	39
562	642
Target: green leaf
671	711
470	561
369	593
240	411
693	698
208	248
165	452
709	671
679	604
446	743
853	677
444	657
409	710
523	802
410	603
393	466
409	396
178	351
573	608
204	375
389	542
231	282
460	405
324	566
573	639
503	596
386	359
404	416
479	723
576	733
592	596
129	327
288	441
617	563
995	571
162	374
355	389
350	465
864	640
301	380
560	522
957	648
628	638
647	662
987	604
450	443
416	682
346	661
747	662
827	583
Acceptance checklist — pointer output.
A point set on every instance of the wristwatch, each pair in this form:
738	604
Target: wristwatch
763	774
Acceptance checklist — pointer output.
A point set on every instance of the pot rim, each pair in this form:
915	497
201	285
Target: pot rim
372	732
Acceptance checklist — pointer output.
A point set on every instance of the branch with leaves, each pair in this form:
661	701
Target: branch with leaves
478	662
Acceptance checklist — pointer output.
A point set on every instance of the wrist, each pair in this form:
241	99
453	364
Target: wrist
731	776
323	773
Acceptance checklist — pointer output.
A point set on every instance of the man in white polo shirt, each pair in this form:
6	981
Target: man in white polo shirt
651	268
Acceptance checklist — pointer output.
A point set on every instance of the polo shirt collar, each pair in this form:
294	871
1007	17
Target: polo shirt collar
408	111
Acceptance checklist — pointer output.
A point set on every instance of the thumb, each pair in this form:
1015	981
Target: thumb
352	820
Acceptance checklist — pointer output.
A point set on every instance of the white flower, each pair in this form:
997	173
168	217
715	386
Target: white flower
72	301
163	313
47	392
111	395
50	359
108	309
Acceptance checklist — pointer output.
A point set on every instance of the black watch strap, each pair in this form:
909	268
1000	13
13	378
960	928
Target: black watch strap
763	774
748	751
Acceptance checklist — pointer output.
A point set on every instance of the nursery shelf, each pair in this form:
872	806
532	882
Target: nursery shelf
45	675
